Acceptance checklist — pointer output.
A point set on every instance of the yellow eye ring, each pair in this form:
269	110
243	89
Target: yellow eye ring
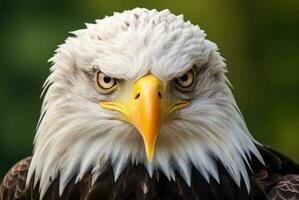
105	83
185	82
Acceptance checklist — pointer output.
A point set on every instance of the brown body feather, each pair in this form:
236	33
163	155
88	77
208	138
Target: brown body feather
277	179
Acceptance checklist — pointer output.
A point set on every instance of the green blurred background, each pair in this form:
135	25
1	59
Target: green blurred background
259	39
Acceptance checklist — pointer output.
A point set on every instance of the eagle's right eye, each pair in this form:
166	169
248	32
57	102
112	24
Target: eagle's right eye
105	83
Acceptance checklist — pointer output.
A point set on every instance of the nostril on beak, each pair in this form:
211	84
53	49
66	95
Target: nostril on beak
160	95
137	96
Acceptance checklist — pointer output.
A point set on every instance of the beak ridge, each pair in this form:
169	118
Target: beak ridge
147	117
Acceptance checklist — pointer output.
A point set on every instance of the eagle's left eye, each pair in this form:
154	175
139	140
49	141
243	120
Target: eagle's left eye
185	82
105	83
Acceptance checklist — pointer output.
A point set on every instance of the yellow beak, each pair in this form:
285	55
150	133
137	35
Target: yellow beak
146	109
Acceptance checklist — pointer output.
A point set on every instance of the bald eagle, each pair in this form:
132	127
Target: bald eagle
137	106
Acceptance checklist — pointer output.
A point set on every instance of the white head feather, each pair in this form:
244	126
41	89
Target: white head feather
76	135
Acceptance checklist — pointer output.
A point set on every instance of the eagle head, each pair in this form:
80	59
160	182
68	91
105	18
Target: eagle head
140	87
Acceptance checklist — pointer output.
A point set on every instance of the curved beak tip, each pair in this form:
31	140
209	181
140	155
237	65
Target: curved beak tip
150	156
150	150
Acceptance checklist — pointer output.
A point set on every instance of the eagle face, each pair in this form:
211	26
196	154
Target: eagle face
142	87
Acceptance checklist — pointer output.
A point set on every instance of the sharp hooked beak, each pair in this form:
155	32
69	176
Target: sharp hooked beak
146	109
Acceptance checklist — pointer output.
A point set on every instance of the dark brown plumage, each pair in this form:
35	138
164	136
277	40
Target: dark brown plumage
278	179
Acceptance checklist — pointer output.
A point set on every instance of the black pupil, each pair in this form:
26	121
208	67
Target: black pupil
107	79
184	77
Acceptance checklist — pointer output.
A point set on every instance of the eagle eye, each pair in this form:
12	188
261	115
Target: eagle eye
105	83
185	82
